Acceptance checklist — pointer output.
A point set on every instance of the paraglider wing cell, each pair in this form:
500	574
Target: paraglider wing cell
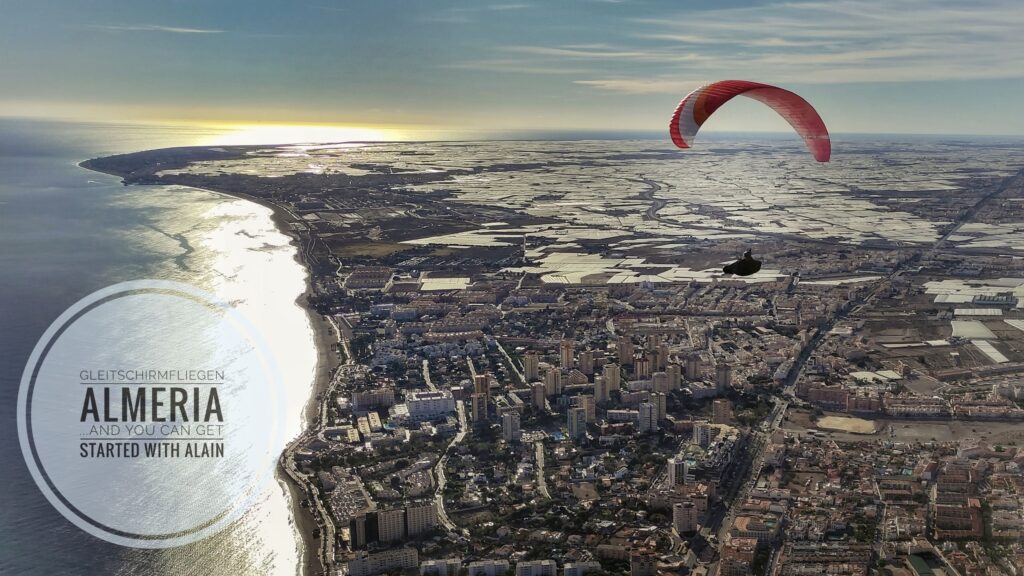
700	104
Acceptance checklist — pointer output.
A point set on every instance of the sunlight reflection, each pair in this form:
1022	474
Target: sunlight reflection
248	134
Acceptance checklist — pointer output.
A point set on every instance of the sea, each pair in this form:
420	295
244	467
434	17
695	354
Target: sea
66	232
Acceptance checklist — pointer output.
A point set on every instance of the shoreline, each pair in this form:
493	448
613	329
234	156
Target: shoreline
325	337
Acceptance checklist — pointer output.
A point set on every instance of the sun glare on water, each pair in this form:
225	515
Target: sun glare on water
249	134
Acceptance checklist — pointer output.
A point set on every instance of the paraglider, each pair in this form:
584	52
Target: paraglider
700	104
744	266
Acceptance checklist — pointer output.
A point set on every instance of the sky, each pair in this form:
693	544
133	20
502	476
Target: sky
876	66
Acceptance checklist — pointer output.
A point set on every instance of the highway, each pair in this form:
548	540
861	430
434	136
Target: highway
969	214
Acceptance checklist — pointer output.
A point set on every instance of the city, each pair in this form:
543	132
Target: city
517	389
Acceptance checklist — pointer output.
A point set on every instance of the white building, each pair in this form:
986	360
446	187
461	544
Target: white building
581	568
537	568
429	405
444	567
366	564
420	518
488	568
391	525
622	415
704	434
372	399
678	469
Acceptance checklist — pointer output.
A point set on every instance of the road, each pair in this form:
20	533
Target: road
969	214
442	514
426	376
858	304
344	330
759	440
762	438
512	365
323	519
689	333
325	552
542	483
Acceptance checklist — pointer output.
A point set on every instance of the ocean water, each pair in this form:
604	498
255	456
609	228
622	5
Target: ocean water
66	232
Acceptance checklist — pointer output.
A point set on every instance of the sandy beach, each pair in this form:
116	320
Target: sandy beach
326	340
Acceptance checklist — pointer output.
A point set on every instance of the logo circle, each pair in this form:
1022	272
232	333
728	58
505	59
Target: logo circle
149	414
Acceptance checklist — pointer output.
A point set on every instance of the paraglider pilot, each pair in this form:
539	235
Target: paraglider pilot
744	266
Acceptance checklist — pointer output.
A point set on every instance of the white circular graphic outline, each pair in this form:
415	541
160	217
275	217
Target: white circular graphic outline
239	504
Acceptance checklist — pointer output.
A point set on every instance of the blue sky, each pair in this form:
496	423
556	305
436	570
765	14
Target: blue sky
867	65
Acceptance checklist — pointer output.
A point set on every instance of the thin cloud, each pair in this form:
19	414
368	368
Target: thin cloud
328	8
508	65
448	19
464	15
642	85
605	53
845	41
724	40
505	7
155	28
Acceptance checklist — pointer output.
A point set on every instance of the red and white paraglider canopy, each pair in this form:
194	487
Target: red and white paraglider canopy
700	104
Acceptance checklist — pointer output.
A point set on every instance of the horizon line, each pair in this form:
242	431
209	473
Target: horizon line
471	134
